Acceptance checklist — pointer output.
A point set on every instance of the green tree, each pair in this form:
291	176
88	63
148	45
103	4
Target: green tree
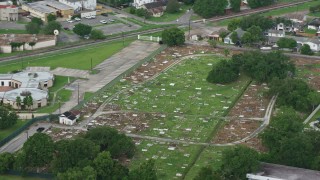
234	37
314	99
51	17
38	150
173	37
29	102
37	21
212	43
210	8
51	26
253	35
82	29
86	173
287	43
235	5
110	140
237	162
18	101
72	154
33	28
8	118
97	34
143	13
285	124
173	6
223	34
6	162
292	92
32	44
233	24
264	23
260	3
146	171
223	72
306	50
132	10
206	173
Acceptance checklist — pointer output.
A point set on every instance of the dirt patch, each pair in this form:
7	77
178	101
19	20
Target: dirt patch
313	69
127	122
58	134
236	130
252	104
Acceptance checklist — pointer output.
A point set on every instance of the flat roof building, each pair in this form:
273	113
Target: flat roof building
8	13
42	9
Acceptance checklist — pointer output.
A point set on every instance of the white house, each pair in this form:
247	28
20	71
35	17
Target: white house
138	3
314	24
69	117
276	33
79	5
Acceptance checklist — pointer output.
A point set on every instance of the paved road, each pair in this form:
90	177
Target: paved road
110	69
312	114
11	25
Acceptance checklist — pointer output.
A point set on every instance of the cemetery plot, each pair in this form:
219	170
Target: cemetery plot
59	134
211	156
309	70
172	160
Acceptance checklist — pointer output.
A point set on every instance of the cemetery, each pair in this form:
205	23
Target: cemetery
309	70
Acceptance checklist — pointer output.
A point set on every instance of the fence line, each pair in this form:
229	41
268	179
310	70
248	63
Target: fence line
149	38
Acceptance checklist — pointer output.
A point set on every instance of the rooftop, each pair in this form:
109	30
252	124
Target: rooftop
6	39
286	172
48	6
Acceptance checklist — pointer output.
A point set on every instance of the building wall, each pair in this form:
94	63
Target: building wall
41	44
9	14
80	5
41	15
67	13
139	3
65	120
5	82
5	49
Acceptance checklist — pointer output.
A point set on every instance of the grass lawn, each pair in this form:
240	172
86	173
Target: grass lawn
190	108
169	163
87	95
211	156
63	96
309	31
76	59
167	17
6	132
13	31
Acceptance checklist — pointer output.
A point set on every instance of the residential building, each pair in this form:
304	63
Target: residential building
314	43
276	33
28	41
41	9
228	40
138	3
8	13
79	5
69	117
216	34
156	9
314	24
24	84
280	172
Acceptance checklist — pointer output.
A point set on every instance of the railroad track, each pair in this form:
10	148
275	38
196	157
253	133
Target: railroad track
75	46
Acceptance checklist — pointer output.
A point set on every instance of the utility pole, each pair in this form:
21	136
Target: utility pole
59	107
122	38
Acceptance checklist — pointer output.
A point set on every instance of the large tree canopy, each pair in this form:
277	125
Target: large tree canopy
256	20
173	37
260	3
7	118
223	72
210	8
82	29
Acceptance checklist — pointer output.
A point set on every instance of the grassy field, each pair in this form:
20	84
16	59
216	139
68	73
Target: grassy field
211	156
190	108
12	31
63	96
6	132
76	59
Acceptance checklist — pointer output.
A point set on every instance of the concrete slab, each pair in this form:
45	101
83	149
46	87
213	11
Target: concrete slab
70	72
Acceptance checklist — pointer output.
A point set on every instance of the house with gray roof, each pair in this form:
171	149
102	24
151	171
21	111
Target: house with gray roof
23	84
239	31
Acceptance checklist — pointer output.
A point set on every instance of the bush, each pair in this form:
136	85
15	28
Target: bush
82	29
51	26
33	28
97	34
287	43
8	118
306	50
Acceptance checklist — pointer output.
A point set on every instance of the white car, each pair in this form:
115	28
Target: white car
111	20
88	17
93	17
104	21
70	21
77	19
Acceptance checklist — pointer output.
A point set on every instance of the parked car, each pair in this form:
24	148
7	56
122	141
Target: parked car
77	19
86	37
111	20
66	28
105	14
40	129
93	17
88	17
104	21
70	21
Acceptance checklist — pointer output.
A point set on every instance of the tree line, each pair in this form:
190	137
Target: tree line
94	155
273	68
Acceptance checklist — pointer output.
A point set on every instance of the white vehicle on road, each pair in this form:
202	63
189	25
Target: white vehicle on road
104	21
70	21
77	19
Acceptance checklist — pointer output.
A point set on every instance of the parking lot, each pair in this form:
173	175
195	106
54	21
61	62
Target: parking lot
119	25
